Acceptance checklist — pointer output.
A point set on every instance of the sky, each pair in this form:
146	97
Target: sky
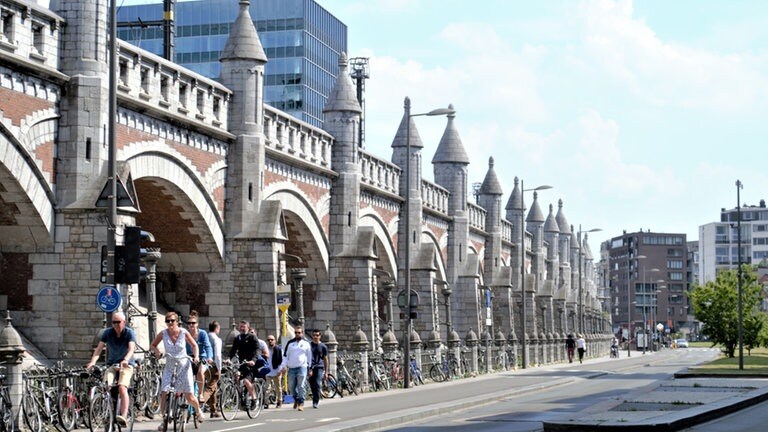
641	114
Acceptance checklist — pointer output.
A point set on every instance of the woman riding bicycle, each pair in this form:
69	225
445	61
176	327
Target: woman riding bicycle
175	340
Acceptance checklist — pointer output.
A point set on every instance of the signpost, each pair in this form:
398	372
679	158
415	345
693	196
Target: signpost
108	299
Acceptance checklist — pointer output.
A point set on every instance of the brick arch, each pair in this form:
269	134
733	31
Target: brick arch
384	245
28	202
189	193
300	215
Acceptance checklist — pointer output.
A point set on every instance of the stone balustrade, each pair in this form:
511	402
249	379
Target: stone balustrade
147	81
434	197
29	33
476	216
297	139
506	231
379	173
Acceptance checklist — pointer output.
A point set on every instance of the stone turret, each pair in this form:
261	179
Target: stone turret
342	120
242	70
489	197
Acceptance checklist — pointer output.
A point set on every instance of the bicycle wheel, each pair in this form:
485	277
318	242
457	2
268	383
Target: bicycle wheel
101	413
229	400
181	416
31	413
437	373
453	369
153	404
351	384
258	404
68	407
6	414
128	421
330	387
141	395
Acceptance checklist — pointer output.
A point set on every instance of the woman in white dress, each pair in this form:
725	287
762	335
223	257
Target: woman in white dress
175	340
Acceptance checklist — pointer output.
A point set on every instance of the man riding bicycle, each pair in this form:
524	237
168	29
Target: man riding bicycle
251	352
120	342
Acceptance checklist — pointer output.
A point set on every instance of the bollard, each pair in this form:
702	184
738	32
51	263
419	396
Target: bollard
360	345
12	354
471	341
329	338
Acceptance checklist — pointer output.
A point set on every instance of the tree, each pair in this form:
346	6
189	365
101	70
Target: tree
715	304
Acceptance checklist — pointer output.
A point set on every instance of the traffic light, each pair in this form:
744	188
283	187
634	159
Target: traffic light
128	268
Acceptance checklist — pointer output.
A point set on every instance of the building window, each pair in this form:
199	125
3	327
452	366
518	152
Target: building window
674	264
124	72
217	108
200	101
675	276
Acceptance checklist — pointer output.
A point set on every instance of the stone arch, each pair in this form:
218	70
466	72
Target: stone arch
162	165
429	238
384	246
28	197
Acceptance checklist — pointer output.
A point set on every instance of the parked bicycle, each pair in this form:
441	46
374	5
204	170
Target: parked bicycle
6	409
40	400
344	381
443	368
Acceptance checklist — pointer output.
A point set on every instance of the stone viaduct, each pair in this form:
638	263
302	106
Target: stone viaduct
239	195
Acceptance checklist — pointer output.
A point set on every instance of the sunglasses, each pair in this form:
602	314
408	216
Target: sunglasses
116	322
192	323
169	321
271	340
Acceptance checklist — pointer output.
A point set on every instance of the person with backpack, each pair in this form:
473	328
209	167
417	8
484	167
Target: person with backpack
570	347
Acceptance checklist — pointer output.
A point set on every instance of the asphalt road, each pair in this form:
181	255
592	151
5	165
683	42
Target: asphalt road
589	388
510	401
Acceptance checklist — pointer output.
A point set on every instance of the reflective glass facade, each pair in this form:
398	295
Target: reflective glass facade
301	40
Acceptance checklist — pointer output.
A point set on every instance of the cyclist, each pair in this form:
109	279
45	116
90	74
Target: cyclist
251	352
175	339
120	342
206	353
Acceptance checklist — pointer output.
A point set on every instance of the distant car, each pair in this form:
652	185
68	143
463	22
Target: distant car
682	343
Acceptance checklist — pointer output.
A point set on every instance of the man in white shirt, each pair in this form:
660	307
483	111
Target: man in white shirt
213	373
296	358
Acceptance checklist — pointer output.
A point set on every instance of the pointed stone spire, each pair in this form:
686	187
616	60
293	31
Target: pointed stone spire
574	239
516	198
562	221
491	185
450	149
551	224
402	131
535	214
587	251
342	97
243	41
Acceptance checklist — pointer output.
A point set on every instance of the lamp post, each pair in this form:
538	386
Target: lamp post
629	300
655	313
523	190
582	323
645	303
411	237
739	186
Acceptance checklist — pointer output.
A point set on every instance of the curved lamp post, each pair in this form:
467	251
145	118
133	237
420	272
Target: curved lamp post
411	237
523	190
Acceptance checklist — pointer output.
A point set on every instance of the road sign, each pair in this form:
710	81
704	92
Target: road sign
108	299
283	297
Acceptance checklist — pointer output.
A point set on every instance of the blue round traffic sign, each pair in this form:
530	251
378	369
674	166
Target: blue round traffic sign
108	299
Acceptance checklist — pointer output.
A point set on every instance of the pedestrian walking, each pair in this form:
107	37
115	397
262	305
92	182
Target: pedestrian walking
297	356
570	347
581	347
318	370
275	376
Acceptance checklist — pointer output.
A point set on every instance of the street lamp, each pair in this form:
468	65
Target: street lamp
629	300
411	237
739	186
582	324
523	190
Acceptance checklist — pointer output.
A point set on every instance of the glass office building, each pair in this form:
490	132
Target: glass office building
301	40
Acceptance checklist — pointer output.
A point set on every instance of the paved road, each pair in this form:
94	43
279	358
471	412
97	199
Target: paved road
530	396
586	389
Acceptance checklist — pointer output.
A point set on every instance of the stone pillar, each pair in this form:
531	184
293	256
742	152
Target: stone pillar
329	338
471	341
454	344
153	256
501	342
298	275
11	352
488	344
360	345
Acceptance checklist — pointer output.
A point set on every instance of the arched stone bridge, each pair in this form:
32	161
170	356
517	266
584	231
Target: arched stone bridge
238	194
